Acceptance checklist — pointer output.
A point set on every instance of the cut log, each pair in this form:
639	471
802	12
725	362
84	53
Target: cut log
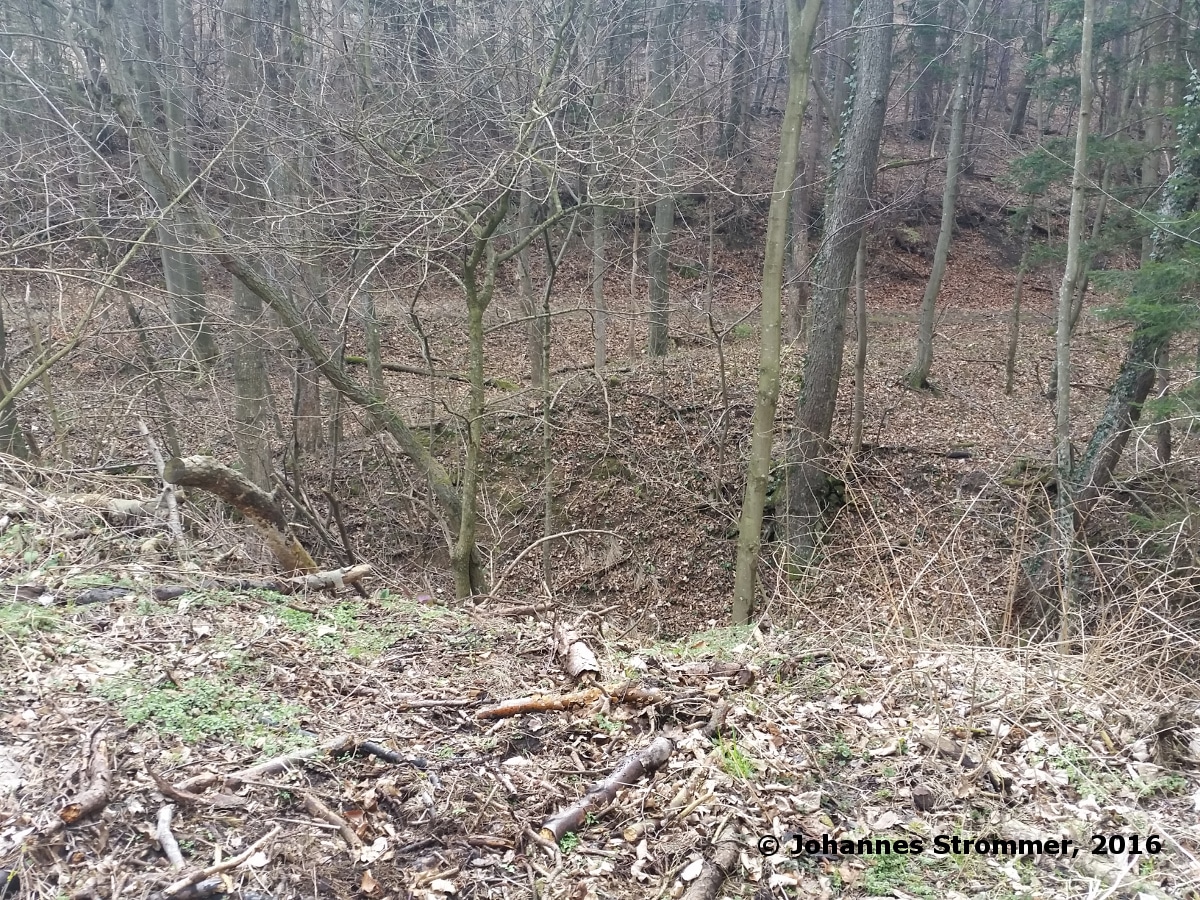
712	876
259	507
631	769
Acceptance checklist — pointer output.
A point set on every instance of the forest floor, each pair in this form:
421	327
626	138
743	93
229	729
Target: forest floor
898	692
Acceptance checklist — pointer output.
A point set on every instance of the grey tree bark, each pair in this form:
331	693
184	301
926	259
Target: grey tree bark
801	25
846	212
252	390
918	375
1064	511
659	256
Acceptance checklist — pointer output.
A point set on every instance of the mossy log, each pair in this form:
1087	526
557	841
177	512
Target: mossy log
259	507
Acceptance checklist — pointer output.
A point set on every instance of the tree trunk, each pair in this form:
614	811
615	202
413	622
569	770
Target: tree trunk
251	388
599	303
1153	112
12	438
801	244
1014	322
256	505
918	376
464	549
924	36
529	307
189	309
1033	52
658	265
860	354
1064	511
800	25
845	213
659	257
840	66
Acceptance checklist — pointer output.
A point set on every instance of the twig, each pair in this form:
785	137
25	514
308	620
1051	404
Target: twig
232	863
270	767
316	808
173	519
95	798
549	537
166	839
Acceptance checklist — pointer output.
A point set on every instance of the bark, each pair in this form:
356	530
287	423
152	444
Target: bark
734	133
840	67
1033	50
658	259
189	309
1094	469
466	576
846	210
534	323
1155	98
924	33
12	438
801	218
251	388
599	304
628	772
1162	385
860	355
1014	321
801	25
918	376
1064	509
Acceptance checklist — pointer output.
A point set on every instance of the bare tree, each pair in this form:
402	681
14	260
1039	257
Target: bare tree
801	25
846	212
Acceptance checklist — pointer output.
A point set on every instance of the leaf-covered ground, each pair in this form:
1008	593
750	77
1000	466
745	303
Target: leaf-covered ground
819	734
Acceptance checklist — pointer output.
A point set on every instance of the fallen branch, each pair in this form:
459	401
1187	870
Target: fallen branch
166	839
318	809
708	883
425	373
187	798
340	744
628	772
95	798
516	612
259	507
232	863
555	702
173	519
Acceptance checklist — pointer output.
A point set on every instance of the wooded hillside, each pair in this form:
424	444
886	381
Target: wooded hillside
865	329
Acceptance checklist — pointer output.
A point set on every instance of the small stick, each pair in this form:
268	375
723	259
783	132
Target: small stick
270	767
232	863
316	808
166	839
173	519
549	537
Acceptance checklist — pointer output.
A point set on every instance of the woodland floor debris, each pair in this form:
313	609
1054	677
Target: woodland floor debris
821	735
